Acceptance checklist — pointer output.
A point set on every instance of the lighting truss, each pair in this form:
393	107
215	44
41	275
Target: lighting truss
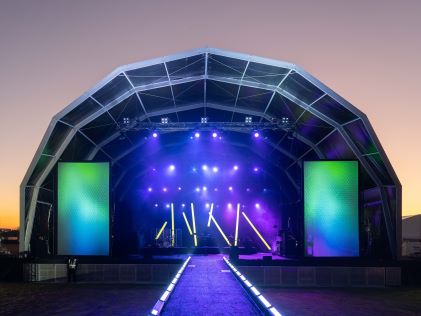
285	125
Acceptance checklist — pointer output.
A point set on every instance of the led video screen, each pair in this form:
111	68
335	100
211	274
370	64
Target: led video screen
83	208
331	208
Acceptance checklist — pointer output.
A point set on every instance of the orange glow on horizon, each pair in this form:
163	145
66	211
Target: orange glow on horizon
48	61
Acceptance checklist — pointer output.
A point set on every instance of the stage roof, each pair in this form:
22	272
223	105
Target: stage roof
224	87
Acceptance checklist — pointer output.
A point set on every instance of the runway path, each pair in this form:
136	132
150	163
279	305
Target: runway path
206	288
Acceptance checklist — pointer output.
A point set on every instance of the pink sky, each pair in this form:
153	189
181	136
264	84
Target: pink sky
52	51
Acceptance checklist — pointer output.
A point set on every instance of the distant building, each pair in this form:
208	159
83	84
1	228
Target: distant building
9	243
411	236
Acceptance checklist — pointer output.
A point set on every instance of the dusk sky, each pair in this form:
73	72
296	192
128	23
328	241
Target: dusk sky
369	52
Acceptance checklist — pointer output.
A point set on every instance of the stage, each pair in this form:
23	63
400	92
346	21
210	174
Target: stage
276	271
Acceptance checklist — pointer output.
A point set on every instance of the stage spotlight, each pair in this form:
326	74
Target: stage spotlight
216	189
257	205
210	215
248	189
183	205
160	231
214	135
215	169
194	224
236	225
205	189
248	119
207	205
197	134
197	189
220	230
256	231
172	225
179	188
167	206
203	120
204	167
256	135
154	134
229	205
149	189
171	167
164	120
235	168
230	188
187	223
156	205
194	169
255	169
164	189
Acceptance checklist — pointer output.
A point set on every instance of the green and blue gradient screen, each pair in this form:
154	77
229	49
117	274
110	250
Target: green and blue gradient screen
83	208
331	208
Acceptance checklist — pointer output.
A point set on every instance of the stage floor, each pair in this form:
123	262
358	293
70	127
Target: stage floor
260	255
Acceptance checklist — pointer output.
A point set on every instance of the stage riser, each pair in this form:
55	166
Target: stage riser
259	275
322	276
104	273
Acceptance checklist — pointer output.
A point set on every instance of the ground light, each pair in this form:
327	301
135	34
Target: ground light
265	305
159	305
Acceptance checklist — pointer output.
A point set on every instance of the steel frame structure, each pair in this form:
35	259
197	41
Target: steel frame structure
278	79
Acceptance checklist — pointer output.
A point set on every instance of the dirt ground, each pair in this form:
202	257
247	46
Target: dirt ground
93	299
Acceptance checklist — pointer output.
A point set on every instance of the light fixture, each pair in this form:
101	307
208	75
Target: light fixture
248	119
203	120
236	225
256	231
172	225
160	231
187	223
197	134
194	224
164	120
256	134
154	134
214	135
220	230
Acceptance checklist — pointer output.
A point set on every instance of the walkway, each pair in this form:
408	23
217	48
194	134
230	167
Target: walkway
204	290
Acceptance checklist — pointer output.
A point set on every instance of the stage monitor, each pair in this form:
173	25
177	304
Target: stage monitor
83	208
331	209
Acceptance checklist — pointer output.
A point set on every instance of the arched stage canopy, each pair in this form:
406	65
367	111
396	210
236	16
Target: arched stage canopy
225	87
